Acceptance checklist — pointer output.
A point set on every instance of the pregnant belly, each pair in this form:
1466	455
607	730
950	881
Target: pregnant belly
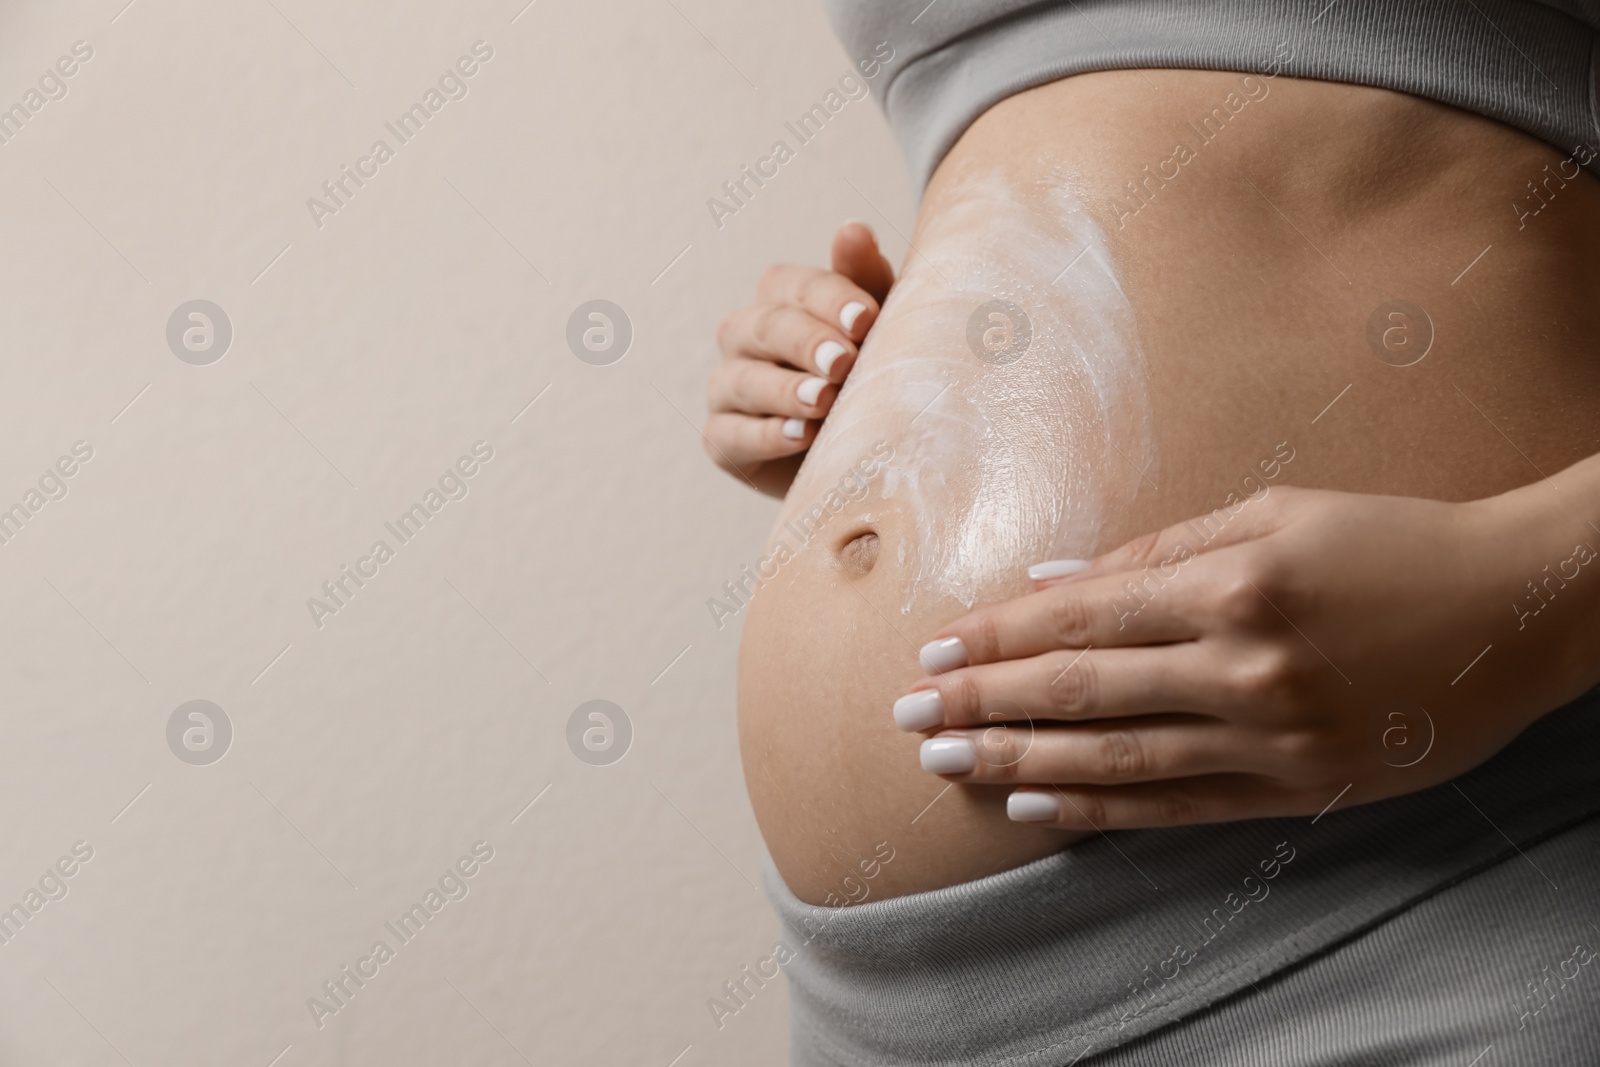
1124	307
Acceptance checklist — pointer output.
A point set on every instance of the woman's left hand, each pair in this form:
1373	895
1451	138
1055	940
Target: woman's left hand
1319	647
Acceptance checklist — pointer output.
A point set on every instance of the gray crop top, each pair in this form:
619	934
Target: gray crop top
1528	63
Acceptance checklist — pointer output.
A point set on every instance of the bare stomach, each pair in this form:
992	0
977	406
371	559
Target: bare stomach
1134	298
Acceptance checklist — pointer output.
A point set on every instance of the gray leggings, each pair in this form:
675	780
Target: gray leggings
1427	929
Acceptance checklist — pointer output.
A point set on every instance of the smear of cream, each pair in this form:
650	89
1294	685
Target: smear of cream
1001	465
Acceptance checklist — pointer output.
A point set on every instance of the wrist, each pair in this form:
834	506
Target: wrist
1540	553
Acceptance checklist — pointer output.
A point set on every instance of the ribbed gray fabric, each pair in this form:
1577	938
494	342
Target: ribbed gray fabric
1442	984
1530	65
1396	932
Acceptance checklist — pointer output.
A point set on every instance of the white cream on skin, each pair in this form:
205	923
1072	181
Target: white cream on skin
1000	465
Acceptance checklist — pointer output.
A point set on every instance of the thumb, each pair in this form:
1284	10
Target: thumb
856	256
1241	519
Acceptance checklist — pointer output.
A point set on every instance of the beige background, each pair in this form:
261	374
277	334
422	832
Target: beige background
368	355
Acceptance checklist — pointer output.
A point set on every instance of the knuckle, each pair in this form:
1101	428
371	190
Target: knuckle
961	697
1177	809
736	386
809	289
1142	550
771	278
1268	577
768	321
1239	601
1120	756
1087	808
982	639
1279	587
1000	754
1074	690
1301	748
1268	677
1069	619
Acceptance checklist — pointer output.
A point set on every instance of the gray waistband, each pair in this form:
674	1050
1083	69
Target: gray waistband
1527	64
1126	933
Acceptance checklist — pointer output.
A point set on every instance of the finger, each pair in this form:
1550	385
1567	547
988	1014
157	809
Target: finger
1179	802
738	441
784	333
1241	519
756	388
1149	749
1072	685
1110	611
828	295
856	256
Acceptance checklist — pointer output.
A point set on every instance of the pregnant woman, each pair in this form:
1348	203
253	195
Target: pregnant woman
1177	641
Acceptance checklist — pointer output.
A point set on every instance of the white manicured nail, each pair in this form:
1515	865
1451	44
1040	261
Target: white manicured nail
949	755
794	429
850	313
810	389
943	655
922	710
827	352
1032	807
1057	568
864	225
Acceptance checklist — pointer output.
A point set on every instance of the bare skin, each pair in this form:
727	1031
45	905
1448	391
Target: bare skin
1253	273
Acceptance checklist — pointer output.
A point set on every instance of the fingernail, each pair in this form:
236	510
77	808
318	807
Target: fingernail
810	389
794	429
1032	807
949	755
922	710
943	655
865	226
1057	568
849	314
827	352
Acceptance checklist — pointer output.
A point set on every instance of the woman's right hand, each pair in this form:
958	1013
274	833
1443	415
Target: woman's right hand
785	355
